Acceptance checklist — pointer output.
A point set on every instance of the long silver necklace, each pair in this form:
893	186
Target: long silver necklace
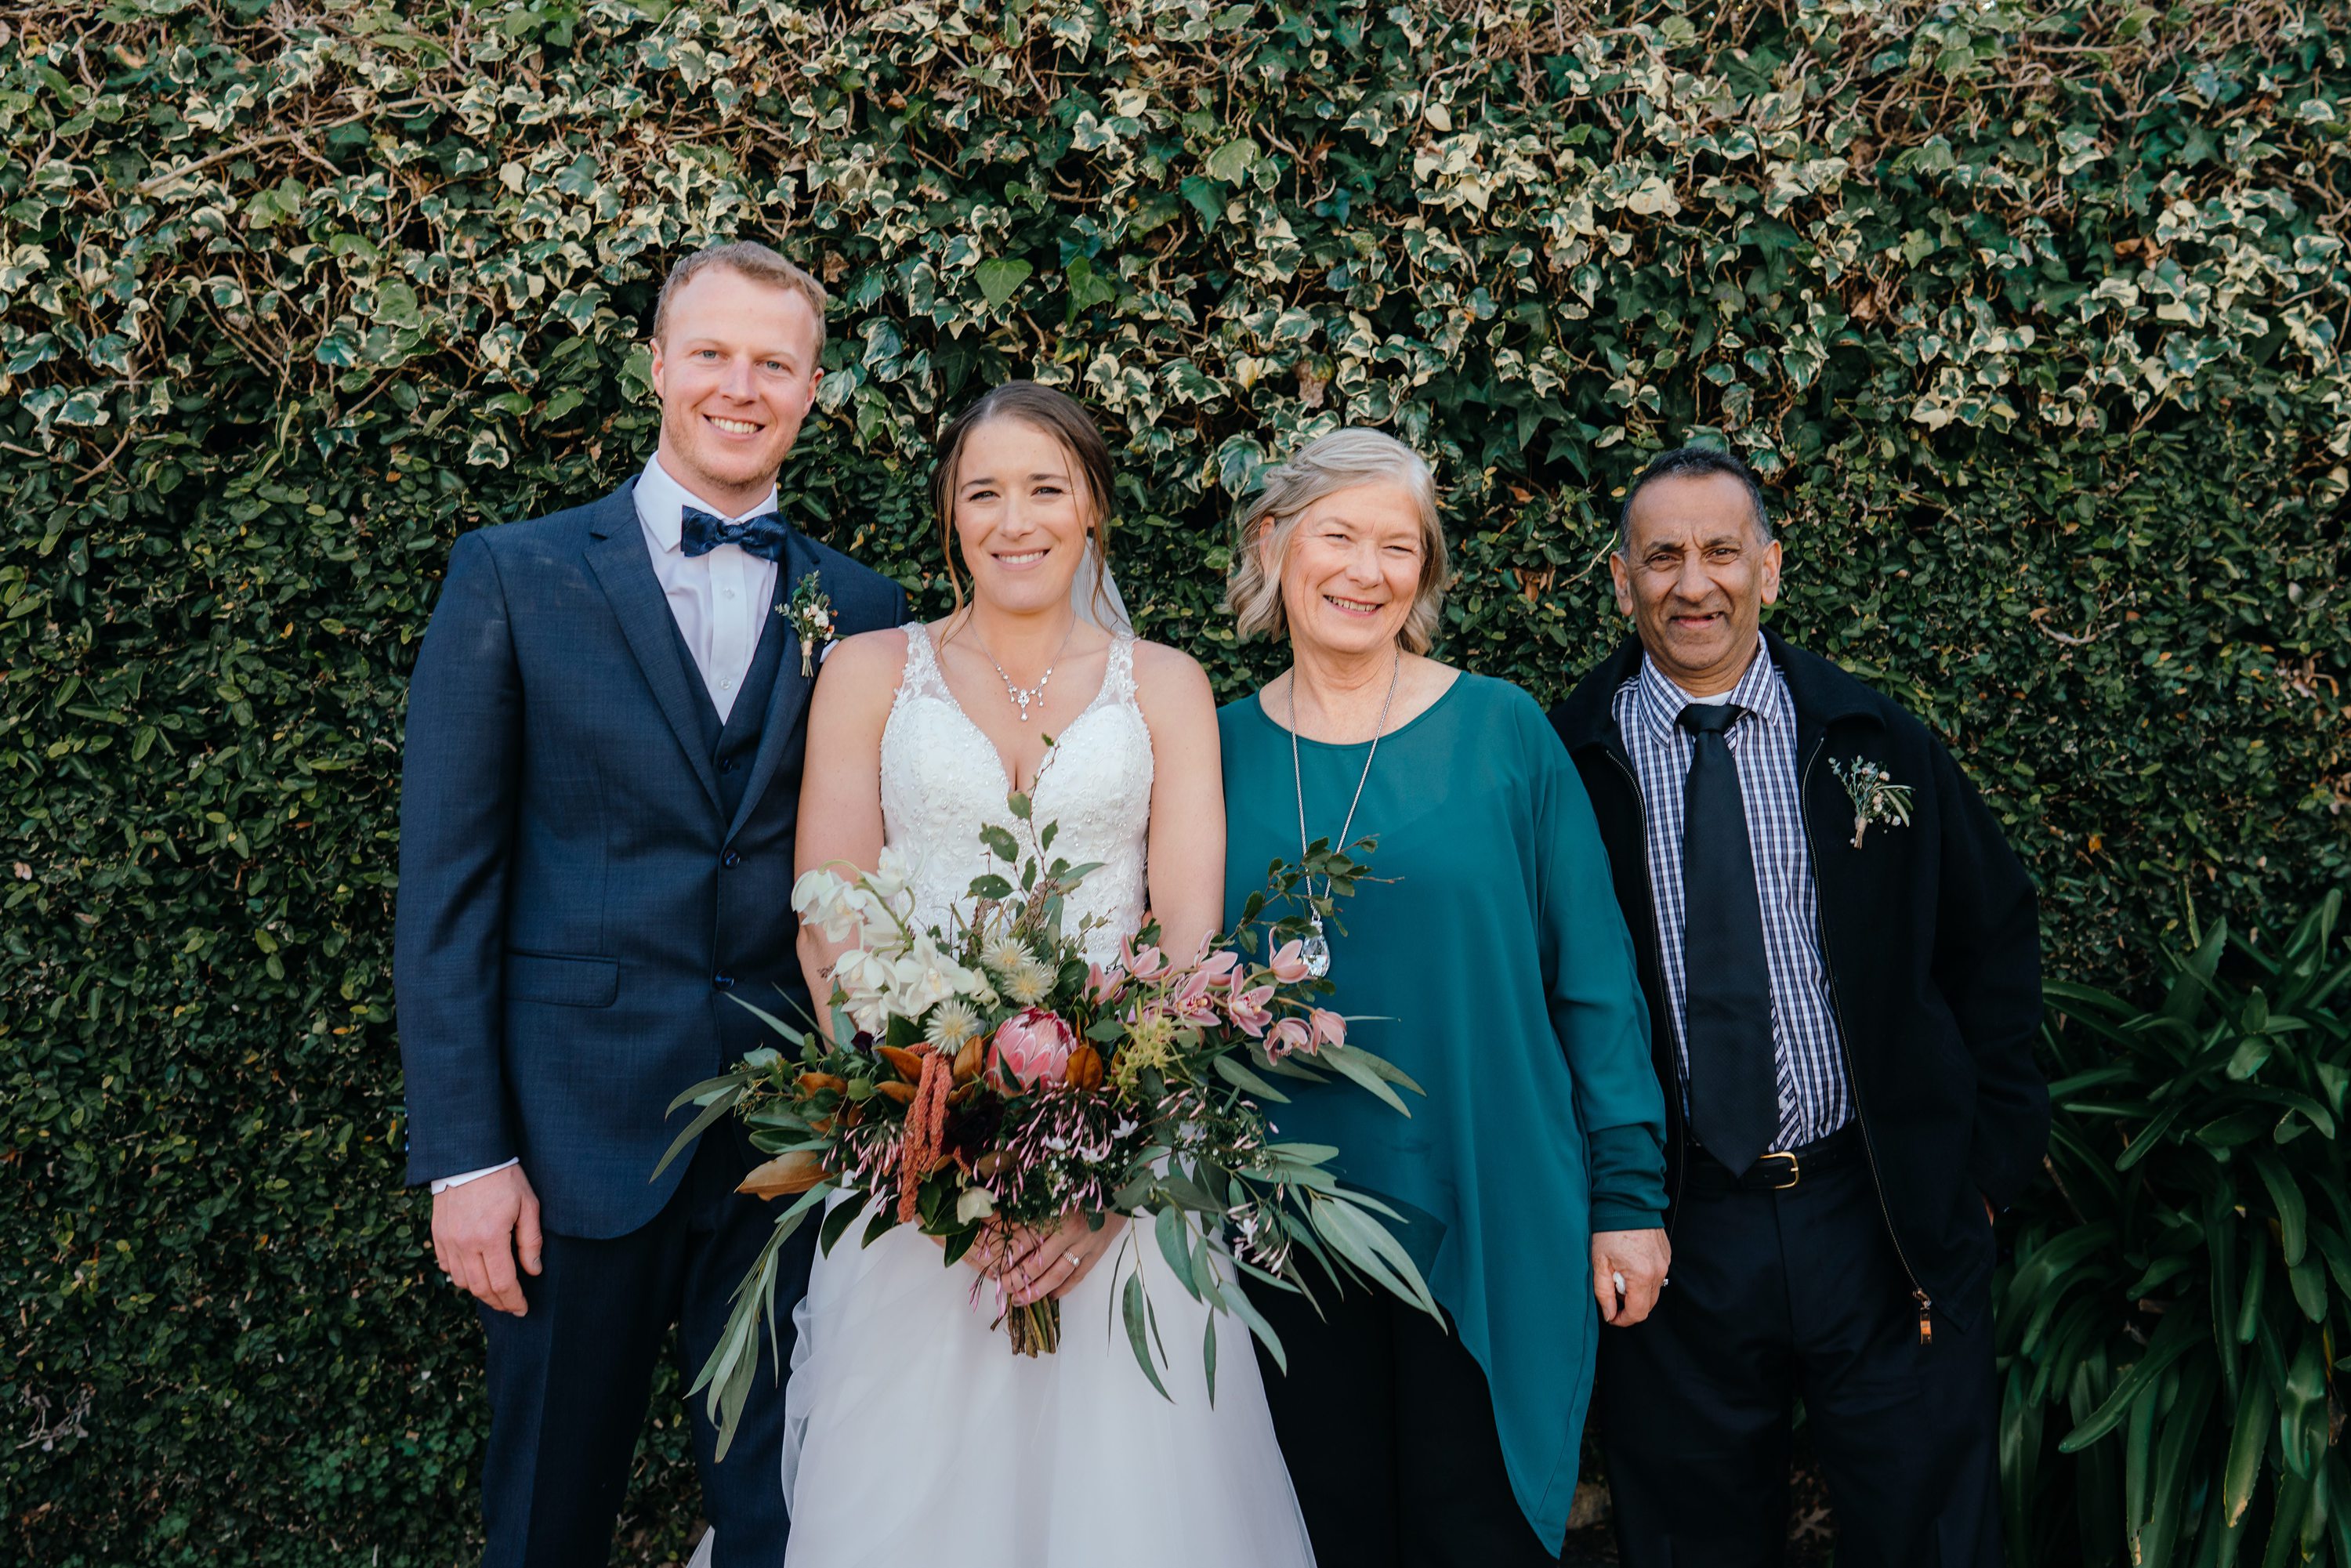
1024	697
1315	948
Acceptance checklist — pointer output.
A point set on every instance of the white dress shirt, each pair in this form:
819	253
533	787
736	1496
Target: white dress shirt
719	599
719	602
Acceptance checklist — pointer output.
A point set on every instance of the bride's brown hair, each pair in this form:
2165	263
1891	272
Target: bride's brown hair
1041	408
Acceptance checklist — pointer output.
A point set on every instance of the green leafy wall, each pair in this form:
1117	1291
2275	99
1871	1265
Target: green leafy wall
2031	310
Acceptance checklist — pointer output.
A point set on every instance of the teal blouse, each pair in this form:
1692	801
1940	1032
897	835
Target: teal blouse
1490	963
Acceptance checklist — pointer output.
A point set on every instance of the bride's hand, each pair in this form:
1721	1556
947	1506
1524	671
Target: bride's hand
1053	1263
987	1255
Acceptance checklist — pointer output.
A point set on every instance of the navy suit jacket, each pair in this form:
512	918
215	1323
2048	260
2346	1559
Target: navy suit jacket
575	905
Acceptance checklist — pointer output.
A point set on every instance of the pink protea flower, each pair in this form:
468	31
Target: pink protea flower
1032	1048
1330	1028
1288	967
1248	1011
1288	1035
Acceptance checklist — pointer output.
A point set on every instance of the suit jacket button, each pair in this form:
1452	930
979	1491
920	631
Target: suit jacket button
731	858
723	982
726	765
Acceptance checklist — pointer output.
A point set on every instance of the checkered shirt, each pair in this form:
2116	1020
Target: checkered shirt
1814	1098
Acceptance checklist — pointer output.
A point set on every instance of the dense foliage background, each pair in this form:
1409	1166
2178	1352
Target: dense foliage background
2032	310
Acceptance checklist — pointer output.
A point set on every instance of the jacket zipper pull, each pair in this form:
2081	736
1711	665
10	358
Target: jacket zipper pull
1925	1318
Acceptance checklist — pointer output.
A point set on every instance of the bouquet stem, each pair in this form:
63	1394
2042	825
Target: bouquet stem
1036	1329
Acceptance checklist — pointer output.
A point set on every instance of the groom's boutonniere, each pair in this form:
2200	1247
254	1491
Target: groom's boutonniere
1875	797
811	617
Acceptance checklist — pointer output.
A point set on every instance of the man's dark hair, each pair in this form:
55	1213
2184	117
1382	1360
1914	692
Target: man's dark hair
1692	463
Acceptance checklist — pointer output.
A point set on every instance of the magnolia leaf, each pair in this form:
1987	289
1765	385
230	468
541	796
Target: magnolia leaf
784	1176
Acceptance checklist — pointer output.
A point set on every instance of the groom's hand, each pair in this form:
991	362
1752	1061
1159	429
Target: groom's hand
479	1230
1642	1256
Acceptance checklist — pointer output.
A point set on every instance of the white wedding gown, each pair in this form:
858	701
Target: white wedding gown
916	1435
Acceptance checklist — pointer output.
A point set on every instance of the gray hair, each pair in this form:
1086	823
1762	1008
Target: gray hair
1692	463
1339	461
753	260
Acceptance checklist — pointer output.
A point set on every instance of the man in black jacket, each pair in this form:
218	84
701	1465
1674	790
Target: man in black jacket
1841	962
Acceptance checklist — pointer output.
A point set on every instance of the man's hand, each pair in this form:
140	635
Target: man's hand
1642	1256
479	1229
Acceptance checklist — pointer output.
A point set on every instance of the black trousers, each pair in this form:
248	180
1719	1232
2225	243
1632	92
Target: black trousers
569	1381
1781	1296
1388	1431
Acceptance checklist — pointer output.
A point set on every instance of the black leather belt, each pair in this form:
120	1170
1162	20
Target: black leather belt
1780	1168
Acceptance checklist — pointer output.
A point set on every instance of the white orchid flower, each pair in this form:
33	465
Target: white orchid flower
926	976
891	875
864	975
821	899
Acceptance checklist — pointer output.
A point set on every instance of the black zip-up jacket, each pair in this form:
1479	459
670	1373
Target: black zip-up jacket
1930	936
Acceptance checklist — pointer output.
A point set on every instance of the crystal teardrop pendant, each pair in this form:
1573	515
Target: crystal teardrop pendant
1315	948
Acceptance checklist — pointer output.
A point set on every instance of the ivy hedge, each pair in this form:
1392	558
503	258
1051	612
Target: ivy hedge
2031	310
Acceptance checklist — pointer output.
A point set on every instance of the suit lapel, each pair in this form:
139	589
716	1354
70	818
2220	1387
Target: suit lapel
616	553
789	698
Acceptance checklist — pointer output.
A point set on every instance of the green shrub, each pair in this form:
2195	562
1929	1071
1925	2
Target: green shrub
2032	308
2176	1307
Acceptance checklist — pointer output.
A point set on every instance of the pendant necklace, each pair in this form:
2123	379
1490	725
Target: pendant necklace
1024	698
1315	948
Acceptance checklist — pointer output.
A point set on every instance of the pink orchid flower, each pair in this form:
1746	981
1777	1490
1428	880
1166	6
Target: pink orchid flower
1248	1011
1330	1028
1287	966
1288	1035
1142	962
1218	967
1104	985
1032	1047
1190	1000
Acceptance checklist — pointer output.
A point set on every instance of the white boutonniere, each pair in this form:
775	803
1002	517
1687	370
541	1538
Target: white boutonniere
1875	797
810	614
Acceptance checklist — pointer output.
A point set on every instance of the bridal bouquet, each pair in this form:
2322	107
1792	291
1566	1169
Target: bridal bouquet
988	1077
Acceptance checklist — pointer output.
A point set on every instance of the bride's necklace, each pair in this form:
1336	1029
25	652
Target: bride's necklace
1024	697
1315	948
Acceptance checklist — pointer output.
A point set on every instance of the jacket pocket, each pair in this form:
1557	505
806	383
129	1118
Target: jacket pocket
563	981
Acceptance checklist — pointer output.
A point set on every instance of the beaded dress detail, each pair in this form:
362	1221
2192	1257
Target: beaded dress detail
943	780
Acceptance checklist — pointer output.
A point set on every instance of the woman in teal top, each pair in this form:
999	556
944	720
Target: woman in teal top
1489	961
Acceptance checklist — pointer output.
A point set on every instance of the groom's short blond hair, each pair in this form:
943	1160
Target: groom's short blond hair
754	261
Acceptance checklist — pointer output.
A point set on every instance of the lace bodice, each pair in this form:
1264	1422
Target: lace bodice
942	781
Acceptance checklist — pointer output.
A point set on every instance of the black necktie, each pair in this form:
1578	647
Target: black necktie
700	532
1734	1096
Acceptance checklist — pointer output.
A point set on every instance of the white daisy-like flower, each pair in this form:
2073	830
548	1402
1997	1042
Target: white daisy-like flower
950	1024
1005	954
1028	982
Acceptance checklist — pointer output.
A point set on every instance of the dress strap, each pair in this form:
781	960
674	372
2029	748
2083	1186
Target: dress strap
921	678
1118	671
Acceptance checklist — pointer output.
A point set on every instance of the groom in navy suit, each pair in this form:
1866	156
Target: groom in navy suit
600	788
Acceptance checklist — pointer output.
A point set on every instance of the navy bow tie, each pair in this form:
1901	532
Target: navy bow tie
762	536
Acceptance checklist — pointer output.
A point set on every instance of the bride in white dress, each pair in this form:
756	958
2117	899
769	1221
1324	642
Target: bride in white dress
917	1436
